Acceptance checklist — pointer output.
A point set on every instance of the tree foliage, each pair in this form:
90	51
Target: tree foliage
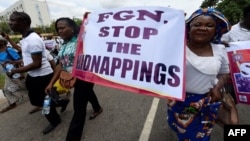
233	10
77	21
209	3
4	27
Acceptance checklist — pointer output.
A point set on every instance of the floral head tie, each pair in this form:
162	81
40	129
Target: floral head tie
222	24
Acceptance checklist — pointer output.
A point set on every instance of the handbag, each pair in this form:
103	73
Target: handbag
58	100
227	113
60	89
55	96
67	80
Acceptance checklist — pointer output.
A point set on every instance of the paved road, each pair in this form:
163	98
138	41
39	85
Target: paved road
123	119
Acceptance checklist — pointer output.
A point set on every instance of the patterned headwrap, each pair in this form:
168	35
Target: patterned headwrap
222	24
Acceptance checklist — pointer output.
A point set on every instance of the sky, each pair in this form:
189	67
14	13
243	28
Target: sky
76	8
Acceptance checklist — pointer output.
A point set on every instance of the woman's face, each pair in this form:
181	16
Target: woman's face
64	30
15	24
202	29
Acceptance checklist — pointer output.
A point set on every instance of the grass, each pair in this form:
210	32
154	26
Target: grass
1	81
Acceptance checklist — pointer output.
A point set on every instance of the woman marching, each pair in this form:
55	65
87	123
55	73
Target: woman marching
83	91
207	71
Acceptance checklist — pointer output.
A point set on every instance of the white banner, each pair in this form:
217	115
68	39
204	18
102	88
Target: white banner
138	47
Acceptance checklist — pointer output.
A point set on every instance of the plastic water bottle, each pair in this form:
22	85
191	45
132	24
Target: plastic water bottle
46	105
9	67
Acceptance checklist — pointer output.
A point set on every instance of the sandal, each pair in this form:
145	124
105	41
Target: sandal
95	114
36	109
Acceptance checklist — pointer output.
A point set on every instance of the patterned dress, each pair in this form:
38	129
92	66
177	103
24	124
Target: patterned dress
67	54
193	119
14	89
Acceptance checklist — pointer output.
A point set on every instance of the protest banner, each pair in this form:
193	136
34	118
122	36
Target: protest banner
139	49
239	60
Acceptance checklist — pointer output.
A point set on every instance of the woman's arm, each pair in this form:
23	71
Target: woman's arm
216	93
13	44
55	77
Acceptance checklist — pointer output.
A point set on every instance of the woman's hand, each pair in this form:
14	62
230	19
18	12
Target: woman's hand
15	63
216	95
48	89
9	73
217	91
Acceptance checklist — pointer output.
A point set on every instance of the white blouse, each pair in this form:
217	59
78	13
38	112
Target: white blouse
201	72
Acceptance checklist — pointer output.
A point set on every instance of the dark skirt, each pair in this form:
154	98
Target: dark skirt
194	118
36	88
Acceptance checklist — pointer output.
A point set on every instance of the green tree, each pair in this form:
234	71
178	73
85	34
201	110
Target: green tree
52	27
4	27
209	3
77	21
231	9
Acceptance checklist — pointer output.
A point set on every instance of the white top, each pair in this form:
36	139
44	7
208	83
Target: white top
201	72
33	44
237	33
48	55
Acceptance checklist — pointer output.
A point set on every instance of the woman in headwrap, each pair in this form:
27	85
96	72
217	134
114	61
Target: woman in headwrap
207	71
